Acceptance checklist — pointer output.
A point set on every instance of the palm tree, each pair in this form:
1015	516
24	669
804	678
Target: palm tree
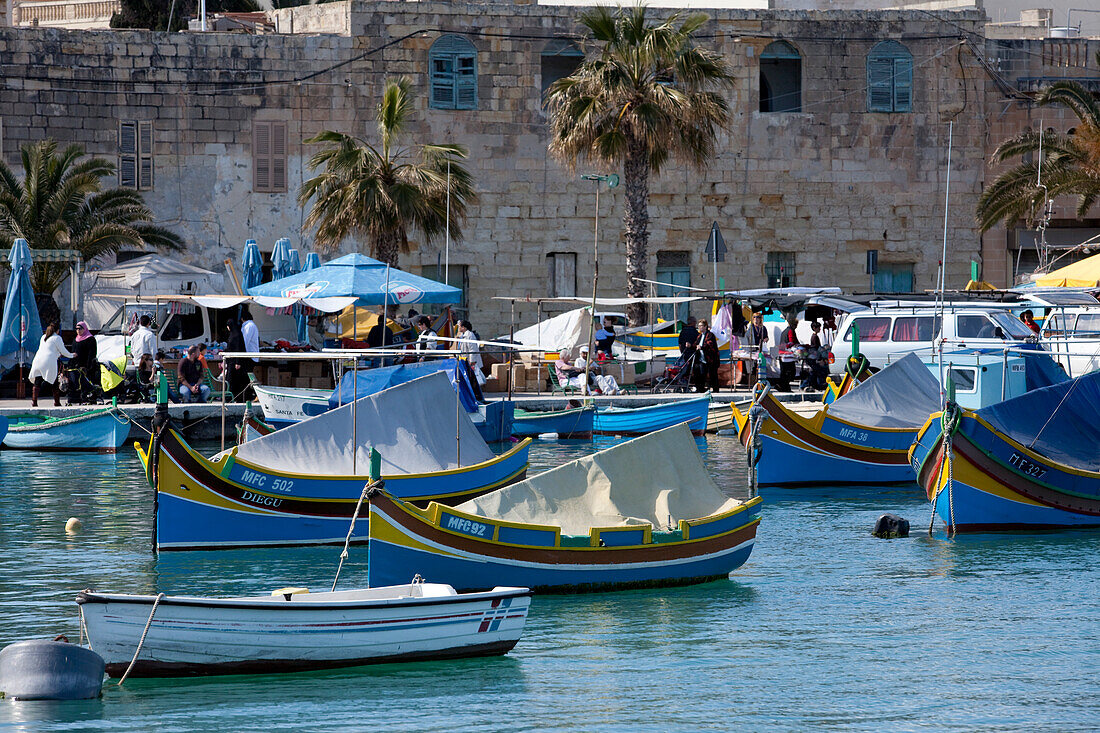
648	95
61	203
1070	163
380	192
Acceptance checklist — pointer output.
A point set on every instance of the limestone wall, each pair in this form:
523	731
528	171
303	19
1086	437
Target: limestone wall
826	183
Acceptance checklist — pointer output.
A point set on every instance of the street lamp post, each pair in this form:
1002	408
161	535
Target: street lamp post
612	180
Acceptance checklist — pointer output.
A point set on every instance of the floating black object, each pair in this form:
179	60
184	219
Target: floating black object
891	526
50	670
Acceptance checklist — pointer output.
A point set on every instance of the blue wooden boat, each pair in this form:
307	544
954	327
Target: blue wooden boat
3	428
642	513
1032	462
642	420
575	422
102	431
300	485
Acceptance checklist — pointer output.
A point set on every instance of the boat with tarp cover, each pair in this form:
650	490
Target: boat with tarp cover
102	431
1032	462
300	485
642	513
293	630
642	420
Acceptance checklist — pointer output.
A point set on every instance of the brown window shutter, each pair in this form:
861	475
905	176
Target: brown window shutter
278	156
261	157
127	154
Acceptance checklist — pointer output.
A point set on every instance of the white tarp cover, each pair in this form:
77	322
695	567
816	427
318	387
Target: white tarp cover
106	289
412	425
902	395
656	479
565	331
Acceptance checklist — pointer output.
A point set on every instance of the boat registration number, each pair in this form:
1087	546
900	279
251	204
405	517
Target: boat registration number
466	526
1026	467
851	434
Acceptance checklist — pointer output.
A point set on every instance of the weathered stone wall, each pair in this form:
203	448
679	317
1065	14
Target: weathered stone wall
827	183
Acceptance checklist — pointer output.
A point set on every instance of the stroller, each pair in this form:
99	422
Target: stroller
678	376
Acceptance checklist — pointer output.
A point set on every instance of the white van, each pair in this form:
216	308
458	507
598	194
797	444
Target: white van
1072	335
887	332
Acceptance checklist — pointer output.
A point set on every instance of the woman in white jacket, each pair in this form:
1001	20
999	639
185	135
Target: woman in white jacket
44	366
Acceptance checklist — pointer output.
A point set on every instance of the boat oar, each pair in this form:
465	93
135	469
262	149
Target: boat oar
375	482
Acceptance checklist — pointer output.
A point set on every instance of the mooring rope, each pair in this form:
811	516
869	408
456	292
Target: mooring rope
141	642
351	528
949	423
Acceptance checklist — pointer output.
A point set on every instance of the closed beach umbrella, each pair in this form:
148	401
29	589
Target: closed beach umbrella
295	261
20	329
312	260
280	260
252	265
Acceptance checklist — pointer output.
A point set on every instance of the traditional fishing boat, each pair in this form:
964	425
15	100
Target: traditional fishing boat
575	422
1032	462
252	427
284	406
642	513
862	438
856	370
642	420
102	431
300	485
294	630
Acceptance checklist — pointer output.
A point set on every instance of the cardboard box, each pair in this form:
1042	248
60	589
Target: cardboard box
535	385
491	385
320	383
270	375
311	369
519	374
285	379
499	372
302	382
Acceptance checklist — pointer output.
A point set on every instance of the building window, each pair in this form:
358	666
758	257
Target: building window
780	78
269	157
780	270
563	274
453	63
894	278
889	78
674	274
457	276
560	58
135	155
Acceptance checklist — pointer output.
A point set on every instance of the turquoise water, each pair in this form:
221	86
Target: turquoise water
825	628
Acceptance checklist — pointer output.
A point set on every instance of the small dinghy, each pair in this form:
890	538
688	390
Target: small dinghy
294	630
103	430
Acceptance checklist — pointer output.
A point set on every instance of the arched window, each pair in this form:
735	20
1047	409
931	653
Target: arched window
780	78
889	78
453	63
560	58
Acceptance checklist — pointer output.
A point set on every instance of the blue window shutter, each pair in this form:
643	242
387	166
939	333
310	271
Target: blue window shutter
879	87
903	85
453	66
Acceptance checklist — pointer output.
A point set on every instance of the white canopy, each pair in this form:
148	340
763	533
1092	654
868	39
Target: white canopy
334	304
565	331
609	302
403	423
142	276
656	479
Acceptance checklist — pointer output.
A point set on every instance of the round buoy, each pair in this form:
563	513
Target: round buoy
891	526
548	436
73	525
50	670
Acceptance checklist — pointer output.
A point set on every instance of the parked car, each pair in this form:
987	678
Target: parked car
1072	335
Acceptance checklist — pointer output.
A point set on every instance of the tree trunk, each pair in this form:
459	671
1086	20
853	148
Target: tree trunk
636	227
386	247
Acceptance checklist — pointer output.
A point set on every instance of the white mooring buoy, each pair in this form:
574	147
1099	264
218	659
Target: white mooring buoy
73	525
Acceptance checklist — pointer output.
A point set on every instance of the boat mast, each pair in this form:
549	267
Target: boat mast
943	256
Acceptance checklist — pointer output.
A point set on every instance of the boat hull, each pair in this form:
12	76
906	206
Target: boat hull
796	451
98	431
192	636
3	428
642	420
225	503
575	423
474	552
998	485
284	406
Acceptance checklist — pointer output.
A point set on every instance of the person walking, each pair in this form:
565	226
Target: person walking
428	340
83	367
44	367
143	341
706	374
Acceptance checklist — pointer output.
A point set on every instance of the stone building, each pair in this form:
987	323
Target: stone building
826	158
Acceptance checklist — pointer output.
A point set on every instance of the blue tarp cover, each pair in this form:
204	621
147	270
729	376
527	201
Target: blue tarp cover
369	381
1060	421
902	395
373	282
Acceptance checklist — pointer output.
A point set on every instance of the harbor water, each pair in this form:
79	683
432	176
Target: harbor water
825	627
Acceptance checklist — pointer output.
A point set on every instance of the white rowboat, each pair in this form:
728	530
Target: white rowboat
295	630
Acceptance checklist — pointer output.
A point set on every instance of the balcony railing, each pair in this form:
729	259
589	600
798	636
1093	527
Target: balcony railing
66	13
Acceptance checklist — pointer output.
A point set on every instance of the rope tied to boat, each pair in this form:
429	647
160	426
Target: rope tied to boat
141	642
756	416
949	424
378	483
857	364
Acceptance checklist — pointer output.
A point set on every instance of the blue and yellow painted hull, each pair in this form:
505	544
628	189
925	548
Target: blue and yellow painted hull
998	484
100	431
220	503
662	342
468	551
822	450
642	420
